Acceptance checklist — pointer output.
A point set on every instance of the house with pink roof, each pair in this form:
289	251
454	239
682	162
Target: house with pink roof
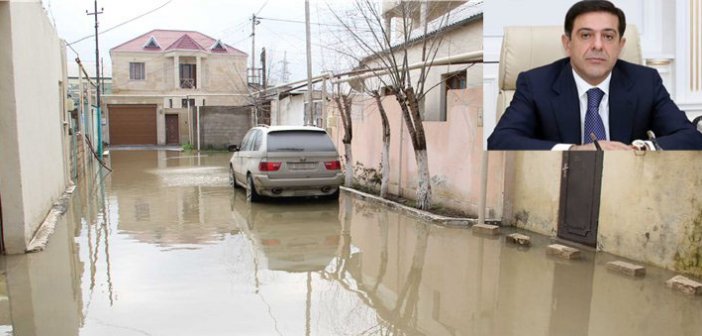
161	79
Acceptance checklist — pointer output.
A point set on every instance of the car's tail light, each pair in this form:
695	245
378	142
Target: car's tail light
269	166
332	165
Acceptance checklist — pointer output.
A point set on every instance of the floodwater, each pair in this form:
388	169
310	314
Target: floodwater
163	246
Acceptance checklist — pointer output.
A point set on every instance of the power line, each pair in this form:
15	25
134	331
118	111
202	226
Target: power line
123	23
262	6
303	22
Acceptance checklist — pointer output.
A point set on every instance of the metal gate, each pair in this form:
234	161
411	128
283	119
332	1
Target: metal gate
172	134
581	182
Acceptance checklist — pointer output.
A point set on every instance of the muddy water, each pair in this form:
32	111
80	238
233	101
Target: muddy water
163	246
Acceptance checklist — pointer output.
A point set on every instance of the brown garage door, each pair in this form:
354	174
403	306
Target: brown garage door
132	124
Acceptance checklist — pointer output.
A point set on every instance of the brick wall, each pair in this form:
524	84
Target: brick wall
223	125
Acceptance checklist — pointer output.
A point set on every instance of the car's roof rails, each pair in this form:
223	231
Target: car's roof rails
263	125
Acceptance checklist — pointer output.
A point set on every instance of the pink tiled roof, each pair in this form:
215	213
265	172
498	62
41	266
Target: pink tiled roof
185	42
174	39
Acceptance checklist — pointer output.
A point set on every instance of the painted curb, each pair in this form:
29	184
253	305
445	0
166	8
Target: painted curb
421	214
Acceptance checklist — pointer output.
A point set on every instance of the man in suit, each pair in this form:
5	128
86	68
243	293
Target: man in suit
591	93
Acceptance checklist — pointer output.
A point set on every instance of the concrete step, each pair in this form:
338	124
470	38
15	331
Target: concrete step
626	268
487	229
562	251
518	239
685	285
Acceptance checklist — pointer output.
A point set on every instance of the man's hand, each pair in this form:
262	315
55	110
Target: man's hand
606	145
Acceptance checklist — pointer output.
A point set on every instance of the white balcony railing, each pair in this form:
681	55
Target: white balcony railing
187	83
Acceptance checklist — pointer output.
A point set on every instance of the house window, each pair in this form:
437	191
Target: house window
203	102
450	81
187	103
152	44
170	103
136	71
188	78
218	46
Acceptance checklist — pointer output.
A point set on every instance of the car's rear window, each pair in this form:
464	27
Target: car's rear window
299	141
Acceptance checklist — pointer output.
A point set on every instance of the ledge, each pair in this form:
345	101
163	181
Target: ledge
416	213
46	228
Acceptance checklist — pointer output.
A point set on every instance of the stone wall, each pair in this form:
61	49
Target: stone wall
223	126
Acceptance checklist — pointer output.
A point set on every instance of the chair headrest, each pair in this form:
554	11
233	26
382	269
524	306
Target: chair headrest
525	48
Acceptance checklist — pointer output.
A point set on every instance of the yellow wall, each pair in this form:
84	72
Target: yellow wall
535	191
650	205
651	208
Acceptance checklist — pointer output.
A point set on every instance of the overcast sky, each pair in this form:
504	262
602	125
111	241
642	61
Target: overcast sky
229	20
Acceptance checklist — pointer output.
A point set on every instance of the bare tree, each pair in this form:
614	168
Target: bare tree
343	103
385	156
391	62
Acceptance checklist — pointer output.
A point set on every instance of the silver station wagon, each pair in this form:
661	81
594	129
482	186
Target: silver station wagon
286	161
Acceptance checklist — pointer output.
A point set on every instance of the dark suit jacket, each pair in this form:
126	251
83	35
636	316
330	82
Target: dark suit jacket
545	110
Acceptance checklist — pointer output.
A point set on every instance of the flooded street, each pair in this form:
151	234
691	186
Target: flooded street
164	246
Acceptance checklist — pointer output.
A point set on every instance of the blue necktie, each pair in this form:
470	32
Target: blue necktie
593	121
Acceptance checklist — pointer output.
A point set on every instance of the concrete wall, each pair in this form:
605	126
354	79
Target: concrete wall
535	188
461	40
651	209
30	124
222	126
650	205
454	149
465	39
289	111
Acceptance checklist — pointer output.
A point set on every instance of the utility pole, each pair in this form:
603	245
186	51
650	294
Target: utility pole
97	81
308	110
254	22
285	76
263	69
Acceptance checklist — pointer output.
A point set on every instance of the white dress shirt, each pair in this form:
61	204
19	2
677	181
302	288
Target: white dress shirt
583	87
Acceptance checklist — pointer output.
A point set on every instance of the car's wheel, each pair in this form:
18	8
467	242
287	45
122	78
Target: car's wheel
232	179
334	196
251	194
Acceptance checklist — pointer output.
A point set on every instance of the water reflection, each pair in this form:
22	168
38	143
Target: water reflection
163	246
429	280
169	199
292	236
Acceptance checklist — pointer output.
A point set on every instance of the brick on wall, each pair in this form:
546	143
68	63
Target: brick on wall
223	125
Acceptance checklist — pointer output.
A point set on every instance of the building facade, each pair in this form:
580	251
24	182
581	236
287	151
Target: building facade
161	78
451	107
33	121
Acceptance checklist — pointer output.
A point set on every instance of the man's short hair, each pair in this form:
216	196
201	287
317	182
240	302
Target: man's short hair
589	6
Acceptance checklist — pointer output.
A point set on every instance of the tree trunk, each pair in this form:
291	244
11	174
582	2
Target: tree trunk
348	178
413	120
343	103
424	182
385	169
385	158
420	153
